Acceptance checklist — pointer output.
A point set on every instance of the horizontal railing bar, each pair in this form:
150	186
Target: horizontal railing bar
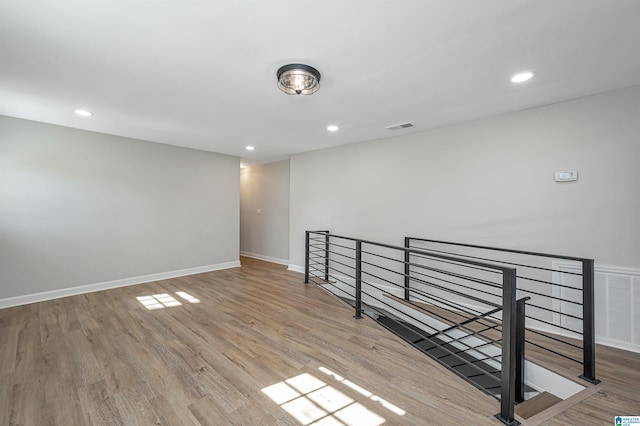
454	263
343	264
423	252
455	274
403	313
340	281
489	321
402	274
338	288
443	302
469	320
489	283
498	261
531	305
477	299
316	251
384	257
470	332
462	351
473	333
553	338
557	256
333	244
343	274
380	278
549	297
522	277
555	325
440	300
340	254
554	352
455	283
409	276
315	261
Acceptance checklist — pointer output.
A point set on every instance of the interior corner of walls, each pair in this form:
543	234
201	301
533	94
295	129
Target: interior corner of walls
90	288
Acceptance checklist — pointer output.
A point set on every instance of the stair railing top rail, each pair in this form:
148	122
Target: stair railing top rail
530	253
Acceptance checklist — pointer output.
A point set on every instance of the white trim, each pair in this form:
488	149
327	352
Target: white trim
296	268
607	271
616	270
618	344
265	258
89	288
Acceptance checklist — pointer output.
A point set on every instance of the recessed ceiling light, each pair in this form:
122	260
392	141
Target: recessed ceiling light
250	148
521	77
332	128
83	112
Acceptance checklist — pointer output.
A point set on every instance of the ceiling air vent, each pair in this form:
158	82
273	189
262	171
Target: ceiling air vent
400	126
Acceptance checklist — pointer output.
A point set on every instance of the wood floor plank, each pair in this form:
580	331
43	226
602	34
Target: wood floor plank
105	359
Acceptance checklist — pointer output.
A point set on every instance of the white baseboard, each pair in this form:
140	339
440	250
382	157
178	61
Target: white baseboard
296	268
89	288
265	258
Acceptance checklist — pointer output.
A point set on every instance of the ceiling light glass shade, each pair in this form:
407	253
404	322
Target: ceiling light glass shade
298	79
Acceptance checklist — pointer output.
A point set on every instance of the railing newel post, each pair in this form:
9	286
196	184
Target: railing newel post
407	259
588	322
326	256
508	374
306	257
358	294
520	348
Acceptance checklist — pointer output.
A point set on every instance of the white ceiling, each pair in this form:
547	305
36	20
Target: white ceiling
201	74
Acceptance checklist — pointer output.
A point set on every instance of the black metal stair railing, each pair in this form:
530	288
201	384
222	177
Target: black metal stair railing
484	345
556	310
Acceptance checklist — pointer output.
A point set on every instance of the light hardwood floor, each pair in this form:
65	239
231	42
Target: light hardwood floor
260	347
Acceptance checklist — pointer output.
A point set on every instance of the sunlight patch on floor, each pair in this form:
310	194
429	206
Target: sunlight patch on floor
386	404
160	301
313	402
186	296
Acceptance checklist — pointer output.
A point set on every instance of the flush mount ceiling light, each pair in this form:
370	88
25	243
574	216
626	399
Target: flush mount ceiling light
332	128
521	77
298	79
249	148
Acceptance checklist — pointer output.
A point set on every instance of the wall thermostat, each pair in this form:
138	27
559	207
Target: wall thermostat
567	176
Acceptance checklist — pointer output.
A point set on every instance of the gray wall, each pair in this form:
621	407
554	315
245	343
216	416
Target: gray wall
487	182
79	208
265	235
